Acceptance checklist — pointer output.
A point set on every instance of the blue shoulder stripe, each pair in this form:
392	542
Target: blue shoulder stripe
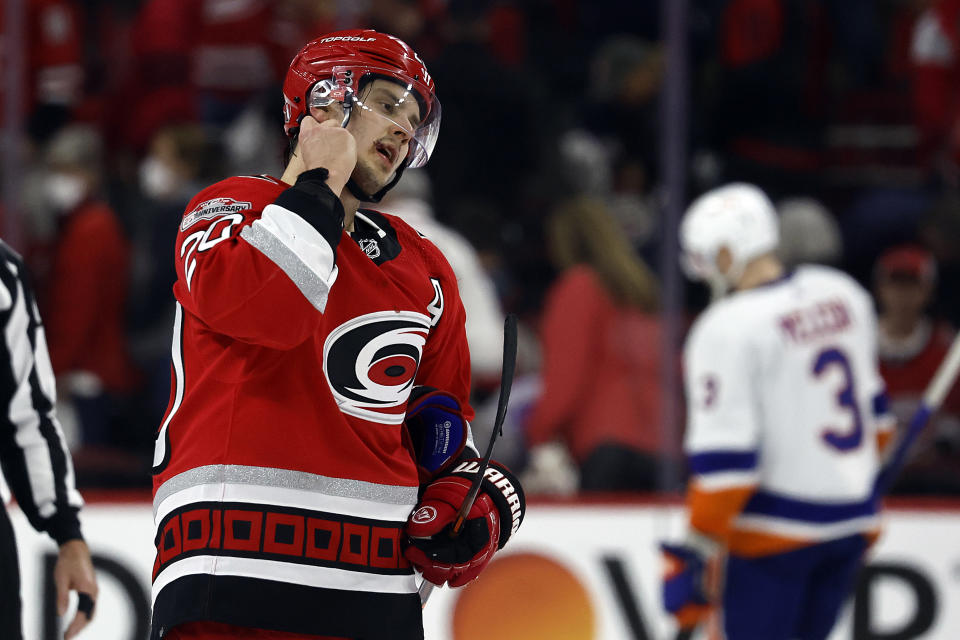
716	461
771	504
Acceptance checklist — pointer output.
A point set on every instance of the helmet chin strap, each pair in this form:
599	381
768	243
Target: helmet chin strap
363	196
719	287
347	110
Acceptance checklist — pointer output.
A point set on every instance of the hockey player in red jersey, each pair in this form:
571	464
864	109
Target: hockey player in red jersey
316	447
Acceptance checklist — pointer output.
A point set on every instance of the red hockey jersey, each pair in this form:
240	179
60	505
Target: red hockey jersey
281	479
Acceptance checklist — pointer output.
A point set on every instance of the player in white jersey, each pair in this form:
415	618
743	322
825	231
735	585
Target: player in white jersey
786	419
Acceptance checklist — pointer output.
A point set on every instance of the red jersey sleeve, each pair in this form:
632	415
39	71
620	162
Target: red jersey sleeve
446	358
256	259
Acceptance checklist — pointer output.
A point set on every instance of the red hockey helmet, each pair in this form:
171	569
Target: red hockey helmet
334	67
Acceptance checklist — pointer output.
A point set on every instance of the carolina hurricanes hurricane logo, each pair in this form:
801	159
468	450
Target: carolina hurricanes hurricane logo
370	363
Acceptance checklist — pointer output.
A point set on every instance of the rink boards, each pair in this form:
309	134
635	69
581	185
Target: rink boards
575	570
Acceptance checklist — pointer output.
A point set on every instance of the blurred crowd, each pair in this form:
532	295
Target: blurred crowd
545	191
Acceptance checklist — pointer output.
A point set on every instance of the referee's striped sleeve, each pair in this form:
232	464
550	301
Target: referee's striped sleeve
33	453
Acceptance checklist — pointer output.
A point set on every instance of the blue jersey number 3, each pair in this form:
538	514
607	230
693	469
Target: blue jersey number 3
846	398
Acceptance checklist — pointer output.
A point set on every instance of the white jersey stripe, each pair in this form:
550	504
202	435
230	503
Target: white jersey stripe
238	483
803	530
289	572
160	451
47	382
276	496
298	249
727	480
22	413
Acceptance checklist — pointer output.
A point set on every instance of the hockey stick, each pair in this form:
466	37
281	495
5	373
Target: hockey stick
506	381
933	397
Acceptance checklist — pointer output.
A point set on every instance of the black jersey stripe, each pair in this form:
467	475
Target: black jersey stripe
279	606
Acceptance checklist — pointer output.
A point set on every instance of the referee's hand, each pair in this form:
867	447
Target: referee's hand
74	572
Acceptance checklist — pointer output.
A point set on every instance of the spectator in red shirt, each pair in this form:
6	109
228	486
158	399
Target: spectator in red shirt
911	347
601	365
84	294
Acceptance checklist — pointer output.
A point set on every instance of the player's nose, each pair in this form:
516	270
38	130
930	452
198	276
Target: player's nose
399	133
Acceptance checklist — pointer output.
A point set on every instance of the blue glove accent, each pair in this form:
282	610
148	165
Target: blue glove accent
684	587
437	428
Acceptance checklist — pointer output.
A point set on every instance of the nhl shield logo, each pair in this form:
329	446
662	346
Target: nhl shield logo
370	247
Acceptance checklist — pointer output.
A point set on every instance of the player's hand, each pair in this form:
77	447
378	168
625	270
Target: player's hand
326	144
690	583
494	517
440	557
74	572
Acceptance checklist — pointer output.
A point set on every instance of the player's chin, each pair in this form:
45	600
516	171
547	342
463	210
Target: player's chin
372	179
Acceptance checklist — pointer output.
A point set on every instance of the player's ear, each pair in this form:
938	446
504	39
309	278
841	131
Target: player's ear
724	260
334	110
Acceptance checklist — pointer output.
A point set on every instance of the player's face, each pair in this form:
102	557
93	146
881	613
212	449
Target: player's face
382	123
903	296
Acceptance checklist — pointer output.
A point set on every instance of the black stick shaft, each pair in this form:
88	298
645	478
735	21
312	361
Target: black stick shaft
506	382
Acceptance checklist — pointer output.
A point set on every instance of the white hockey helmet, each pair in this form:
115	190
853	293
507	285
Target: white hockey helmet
738	216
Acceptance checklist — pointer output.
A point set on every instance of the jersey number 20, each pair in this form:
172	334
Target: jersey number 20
846	398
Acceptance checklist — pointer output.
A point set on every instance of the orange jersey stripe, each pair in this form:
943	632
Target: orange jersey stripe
712	512
753	544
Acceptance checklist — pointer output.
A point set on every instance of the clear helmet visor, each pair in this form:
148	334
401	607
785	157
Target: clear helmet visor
402	101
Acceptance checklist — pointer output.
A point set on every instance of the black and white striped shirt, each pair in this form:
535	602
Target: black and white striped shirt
33	453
